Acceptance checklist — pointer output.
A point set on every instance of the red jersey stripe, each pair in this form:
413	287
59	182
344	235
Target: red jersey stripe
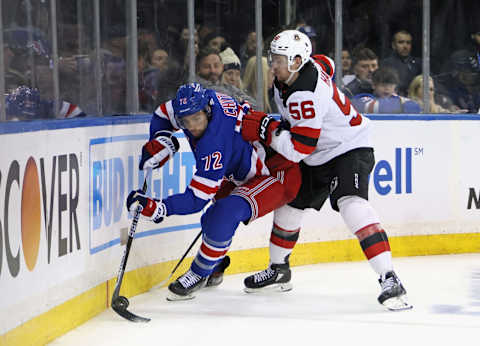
302	148
212	253
71	108
163	108
202	187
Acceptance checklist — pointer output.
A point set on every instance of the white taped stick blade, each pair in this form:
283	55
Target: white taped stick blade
397	303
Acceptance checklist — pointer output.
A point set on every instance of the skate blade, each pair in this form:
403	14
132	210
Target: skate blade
283	287
397	303
172	297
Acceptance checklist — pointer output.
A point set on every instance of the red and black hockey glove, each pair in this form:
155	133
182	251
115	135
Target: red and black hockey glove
158	150
151	209
258	126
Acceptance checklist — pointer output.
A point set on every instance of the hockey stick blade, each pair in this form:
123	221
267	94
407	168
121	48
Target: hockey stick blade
120	304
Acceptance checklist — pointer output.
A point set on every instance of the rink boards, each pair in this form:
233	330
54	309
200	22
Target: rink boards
63	217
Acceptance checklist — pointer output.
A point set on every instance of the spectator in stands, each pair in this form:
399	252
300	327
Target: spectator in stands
215	41
161	85
365	62
25	103
160	78
143	57
346	63
115	87
415	92
13	76
209	66
209	71
231	68
184	39
401	61
116	42
71	50
179	50
20	45
147	37
143	70
385	99
248	49
159	59
204	30
250	83
462	83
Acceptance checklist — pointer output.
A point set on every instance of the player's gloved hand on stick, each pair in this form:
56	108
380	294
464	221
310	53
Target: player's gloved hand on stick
258	126
151	209
159	150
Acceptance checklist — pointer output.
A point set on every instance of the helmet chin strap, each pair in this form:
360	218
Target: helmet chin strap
292	73
289	78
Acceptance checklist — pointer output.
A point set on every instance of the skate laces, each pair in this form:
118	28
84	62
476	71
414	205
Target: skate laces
263	275
387	283
189	279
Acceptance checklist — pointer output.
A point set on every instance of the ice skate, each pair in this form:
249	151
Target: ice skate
275	278
216	278
185	285
394	295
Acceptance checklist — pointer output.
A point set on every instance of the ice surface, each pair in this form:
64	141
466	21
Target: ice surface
330	304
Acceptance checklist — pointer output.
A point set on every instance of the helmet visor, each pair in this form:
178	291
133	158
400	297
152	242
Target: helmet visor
277	60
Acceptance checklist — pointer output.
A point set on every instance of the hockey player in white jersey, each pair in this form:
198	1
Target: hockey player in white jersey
323	131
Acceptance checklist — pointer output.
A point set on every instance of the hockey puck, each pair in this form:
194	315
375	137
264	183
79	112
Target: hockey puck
120	303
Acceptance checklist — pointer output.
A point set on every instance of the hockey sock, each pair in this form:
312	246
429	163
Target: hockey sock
363	221
209	255
282	242
375	246
218	226
285	233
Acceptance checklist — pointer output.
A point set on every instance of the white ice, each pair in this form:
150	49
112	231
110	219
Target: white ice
330	304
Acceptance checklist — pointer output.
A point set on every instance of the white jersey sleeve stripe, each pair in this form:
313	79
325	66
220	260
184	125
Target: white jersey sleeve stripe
284	145
165	111
204	188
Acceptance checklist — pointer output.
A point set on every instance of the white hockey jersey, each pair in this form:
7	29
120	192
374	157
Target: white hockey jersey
322	122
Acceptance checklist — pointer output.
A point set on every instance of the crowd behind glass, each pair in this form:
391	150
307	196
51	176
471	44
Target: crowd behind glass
380	61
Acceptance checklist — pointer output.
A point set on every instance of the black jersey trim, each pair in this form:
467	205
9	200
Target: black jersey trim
309	141
306	81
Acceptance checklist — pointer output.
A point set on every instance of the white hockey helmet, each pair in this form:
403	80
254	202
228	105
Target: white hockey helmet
292	43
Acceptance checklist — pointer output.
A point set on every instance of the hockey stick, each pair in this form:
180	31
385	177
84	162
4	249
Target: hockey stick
120	303
181	259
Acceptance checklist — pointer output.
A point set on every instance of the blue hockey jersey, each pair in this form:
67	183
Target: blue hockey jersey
220	152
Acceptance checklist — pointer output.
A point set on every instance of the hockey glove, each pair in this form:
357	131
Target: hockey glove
258	126
159	150
151	209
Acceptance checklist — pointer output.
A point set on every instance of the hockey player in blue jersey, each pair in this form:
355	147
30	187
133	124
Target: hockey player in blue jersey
258	185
